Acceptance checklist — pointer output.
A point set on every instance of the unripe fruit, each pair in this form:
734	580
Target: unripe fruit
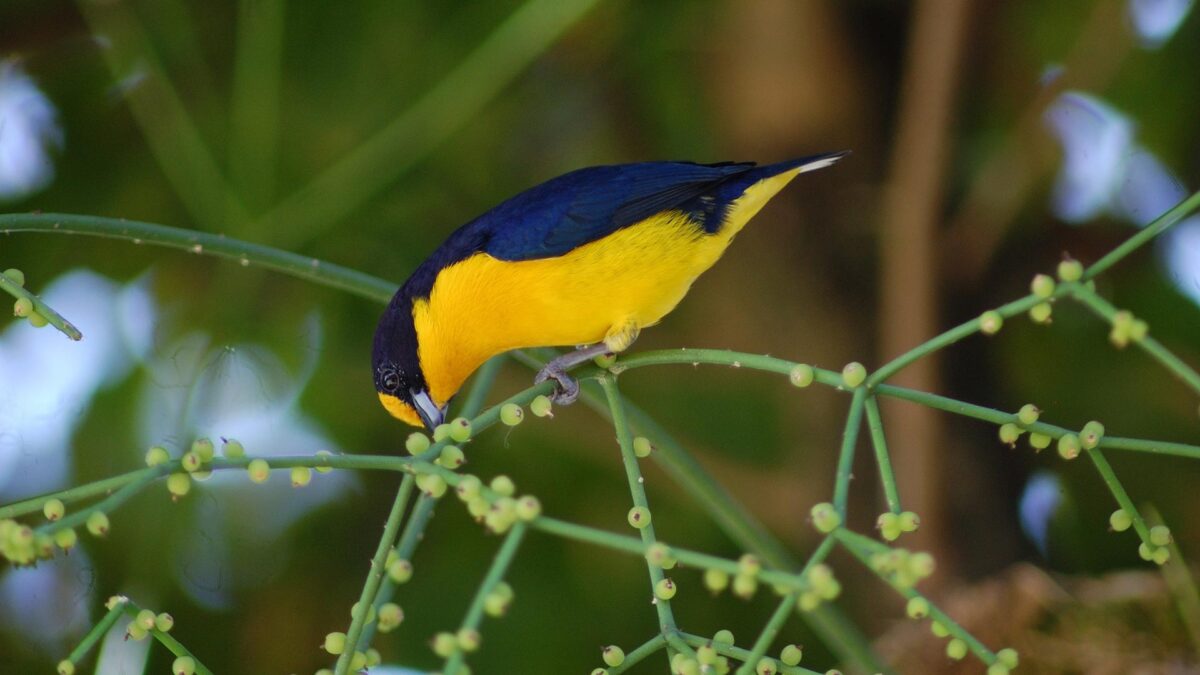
599	671
825	518
323	455
355	611
1039	441
1009	433
809	601
191	462
1120	520
707	654
1160	556
888	525
766	666
997	669
1008	656
301	476
1042	285
1068	446
723	637
134	631
613	655
921	564
1092	433
444	644
335	643
204	448
1145	552
659	555
145	619
468	487
1160	535
416	443
179	484
642	447
451	457
400	571
65	538
956	649
15	275
1138	330
512	414
503	486
939	630
1070	270
97	523
390	616
37	320
791	655
639	517
744	586
432	484
909	521
258	470
164	622
468	639
183	665
157	455
605	360
802	375
374	658
749	564
65	667
460	430
23	308
1040	313
853	374
665	589
1028	414
54	509
541	407
716	580
990	322
917	608
358	661
232	448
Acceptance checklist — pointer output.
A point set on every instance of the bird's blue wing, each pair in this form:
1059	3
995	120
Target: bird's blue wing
583	206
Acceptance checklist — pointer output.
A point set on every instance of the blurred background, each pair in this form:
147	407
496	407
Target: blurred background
989	138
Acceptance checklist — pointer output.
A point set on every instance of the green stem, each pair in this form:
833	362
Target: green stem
841	488
375	574
46	311
70	495
254	101
639	654
413	531
166	639
1119	493
719	357
1148	344
495	573
1182	584
882	457
202	243
98	631
1160	225
740	654
105	505
637	489
763	643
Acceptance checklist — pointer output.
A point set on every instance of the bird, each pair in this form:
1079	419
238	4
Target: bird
584	260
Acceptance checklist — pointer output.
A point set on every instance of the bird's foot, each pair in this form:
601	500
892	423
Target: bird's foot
566	389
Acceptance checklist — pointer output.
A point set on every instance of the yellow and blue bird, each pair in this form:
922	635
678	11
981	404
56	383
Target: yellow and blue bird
589	258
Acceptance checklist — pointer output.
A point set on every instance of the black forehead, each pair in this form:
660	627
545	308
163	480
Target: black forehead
395	346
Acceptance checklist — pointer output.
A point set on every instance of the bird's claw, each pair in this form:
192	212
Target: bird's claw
566	389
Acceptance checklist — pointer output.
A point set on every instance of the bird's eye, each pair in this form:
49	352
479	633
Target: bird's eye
391	381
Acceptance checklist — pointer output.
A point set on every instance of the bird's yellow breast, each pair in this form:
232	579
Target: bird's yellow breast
483	306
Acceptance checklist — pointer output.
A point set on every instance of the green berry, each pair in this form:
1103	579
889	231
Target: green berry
613	655
1008	657
301	476
65	667
707	654
1092	433
1028	414
1160	556
791	655
639	517
909	521
444	644
157	455
390	615
65	538
1042	285
716	580
416	443
432	484
497	602
1160	535
134	631
37	320
179	484
853	374
541	407
956	649
97	523
145	619
802	375
324	467
921	564
605	360
478	507
164	622
358	661
1068	446
528	508
460	430
1120	520
1138	330
766	666
825	518
665	589
1009	433
990	322
400	571
1039	441
15	275
1040	313
745	585
54	509
749	564
468	639
997	669
1070	270
917	608
642	447
183	665
374	658
939	630
502	515
723	637
468	487
232	448
599	671
335	643
191	462
204	448
451	457
512	414
23	308
659	555
1145	552
888	525
441	433
809	601
259	470
503	486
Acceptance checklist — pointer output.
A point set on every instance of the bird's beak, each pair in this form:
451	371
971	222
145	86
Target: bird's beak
430	413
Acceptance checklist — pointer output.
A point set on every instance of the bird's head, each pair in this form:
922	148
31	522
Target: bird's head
396	366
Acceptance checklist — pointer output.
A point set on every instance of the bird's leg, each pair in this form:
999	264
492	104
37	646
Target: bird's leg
618	339
568	389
